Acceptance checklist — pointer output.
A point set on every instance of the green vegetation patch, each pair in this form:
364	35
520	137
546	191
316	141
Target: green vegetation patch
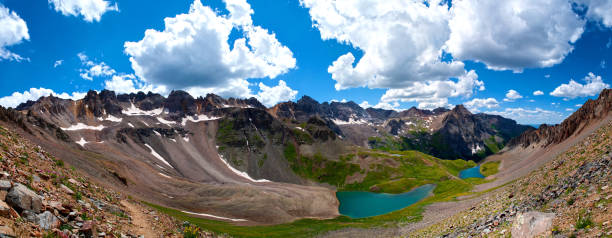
319	168
489	168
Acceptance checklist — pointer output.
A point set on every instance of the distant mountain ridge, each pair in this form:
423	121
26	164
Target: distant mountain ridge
441	132
590	112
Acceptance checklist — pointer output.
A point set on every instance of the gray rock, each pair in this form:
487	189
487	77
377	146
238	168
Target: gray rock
532	224
47	220
22	198
5	185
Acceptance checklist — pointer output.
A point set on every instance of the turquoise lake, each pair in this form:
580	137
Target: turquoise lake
367	204
473	172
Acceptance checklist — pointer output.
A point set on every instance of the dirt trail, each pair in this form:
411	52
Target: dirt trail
139	220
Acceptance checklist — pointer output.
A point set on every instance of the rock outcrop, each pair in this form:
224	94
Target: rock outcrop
591	112
532	224
22	198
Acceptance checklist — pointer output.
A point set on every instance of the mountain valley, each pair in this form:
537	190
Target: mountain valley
235	167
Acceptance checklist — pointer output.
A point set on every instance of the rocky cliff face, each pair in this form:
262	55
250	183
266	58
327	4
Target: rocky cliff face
591	112
473	136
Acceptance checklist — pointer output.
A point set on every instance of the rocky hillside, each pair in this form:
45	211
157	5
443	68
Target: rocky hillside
571	196
591	112
41	195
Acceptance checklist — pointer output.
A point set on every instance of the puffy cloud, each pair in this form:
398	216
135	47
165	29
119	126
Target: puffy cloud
530	116
193	53
599	10
128	83
91	10
94	69
382	105
270	96
512	95
477	103
594	84
58	63
388	106
538	93
13	30
435	94
514	34
365	104
34	94
401	41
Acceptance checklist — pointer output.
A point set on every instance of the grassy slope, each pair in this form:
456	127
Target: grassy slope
489	168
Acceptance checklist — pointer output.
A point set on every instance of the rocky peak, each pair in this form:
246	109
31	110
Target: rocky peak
414	112
180	103
380	113
591	112
440	110
461	110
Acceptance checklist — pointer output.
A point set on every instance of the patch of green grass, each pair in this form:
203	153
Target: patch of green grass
489	168
455	166
415	169
584	222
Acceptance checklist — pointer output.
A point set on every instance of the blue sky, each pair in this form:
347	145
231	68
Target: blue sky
432	60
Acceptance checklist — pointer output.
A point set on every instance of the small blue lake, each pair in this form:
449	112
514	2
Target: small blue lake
473	172
367	204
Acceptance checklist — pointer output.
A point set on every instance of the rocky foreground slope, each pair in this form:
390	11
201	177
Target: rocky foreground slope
40	195
571	196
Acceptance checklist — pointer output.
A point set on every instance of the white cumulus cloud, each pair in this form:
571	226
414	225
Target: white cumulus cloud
475	104
192	52
512	95
599	10
530	116
93	69
270	96
91	10
33	94
538	93
513	34
434	94
401	41
13	30
593	85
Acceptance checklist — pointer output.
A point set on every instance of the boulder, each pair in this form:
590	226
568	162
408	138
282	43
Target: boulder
532	224
45	220
22	198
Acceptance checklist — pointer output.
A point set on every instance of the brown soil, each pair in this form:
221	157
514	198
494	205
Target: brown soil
138	219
